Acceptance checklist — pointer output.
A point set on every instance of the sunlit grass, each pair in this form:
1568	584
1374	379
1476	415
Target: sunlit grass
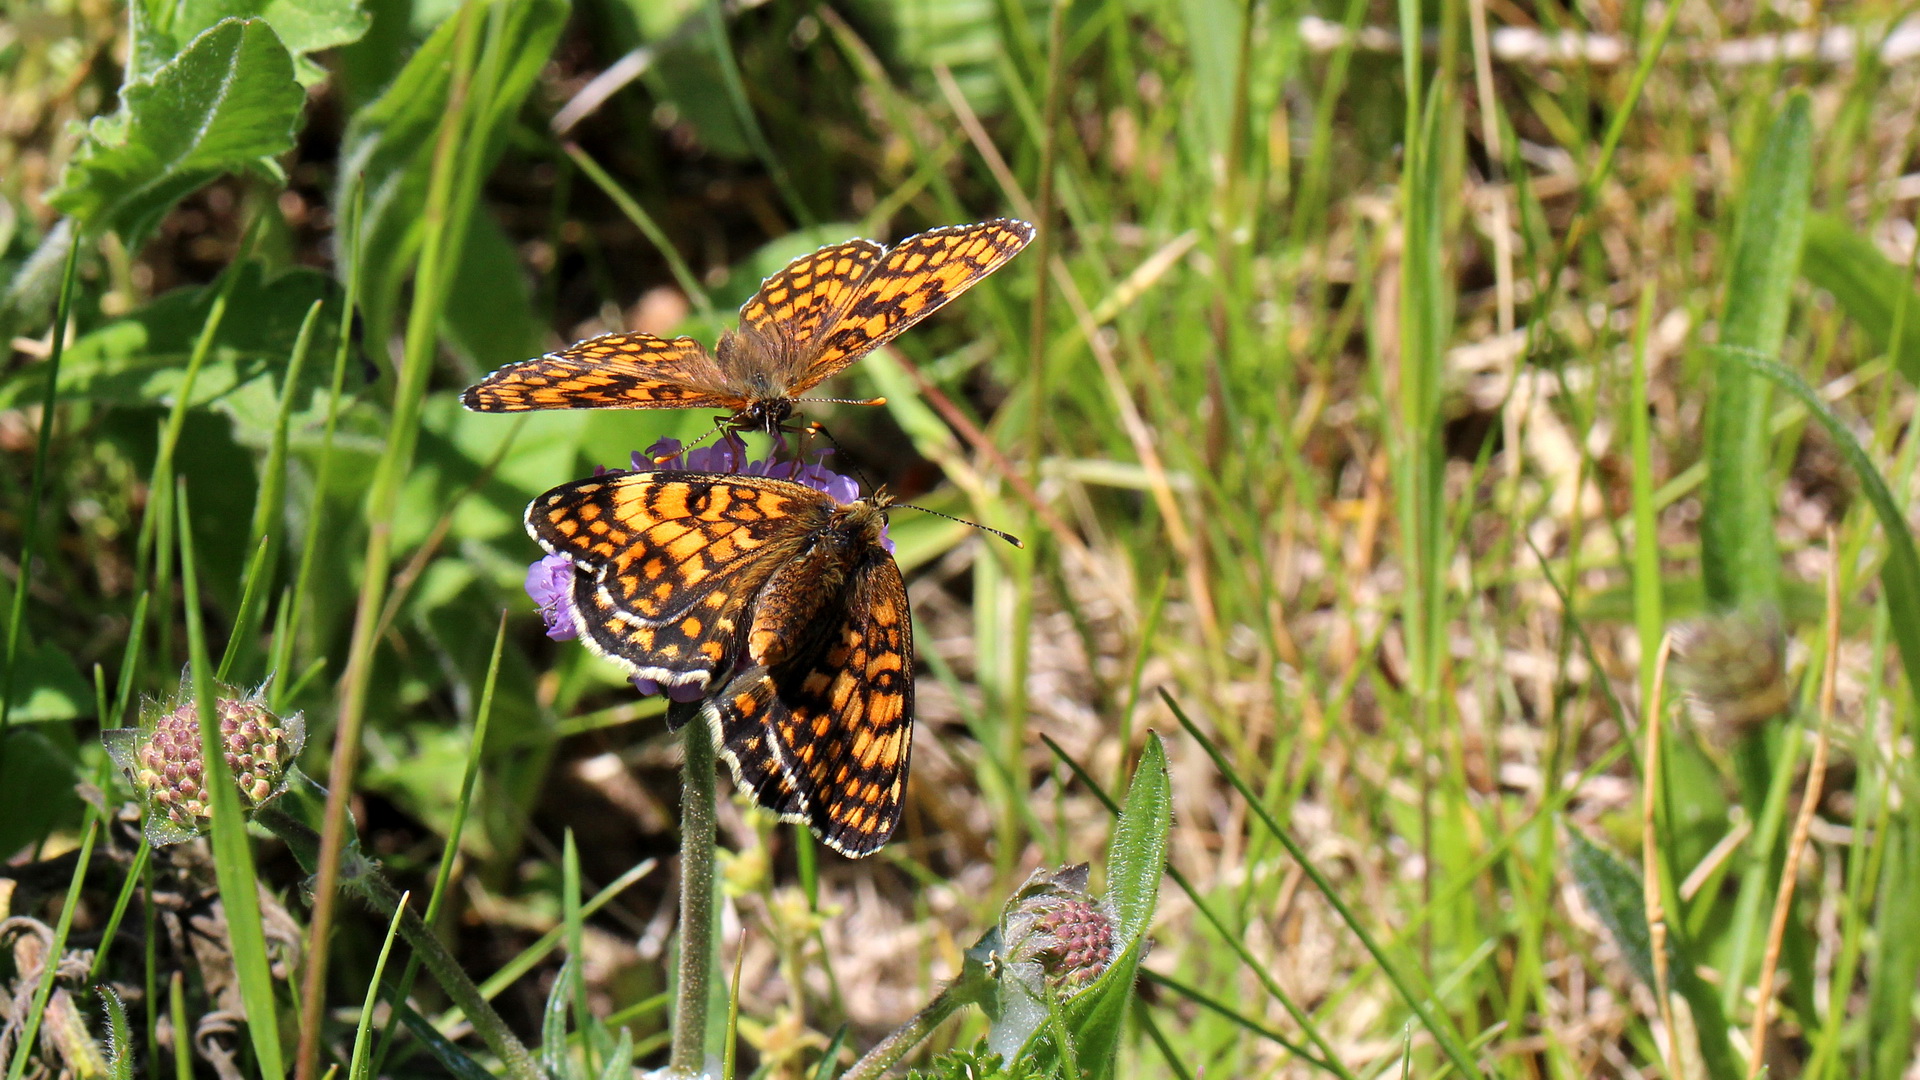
1382	425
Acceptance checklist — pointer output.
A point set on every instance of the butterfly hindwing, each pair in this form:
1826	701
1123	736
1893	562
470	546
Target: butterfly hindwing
613	371
837	714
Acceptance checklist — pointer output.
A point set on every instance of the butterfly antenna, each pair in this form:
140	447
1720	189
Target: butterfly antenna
719	424
841	401
1007	536
815	427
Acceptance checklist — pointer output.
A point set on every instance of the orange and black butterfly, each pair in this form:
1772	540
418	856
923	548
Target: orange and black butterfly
781	605
821	313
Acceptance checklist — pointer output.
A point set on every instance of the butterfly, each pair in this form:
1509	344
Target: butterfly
783	606
807	322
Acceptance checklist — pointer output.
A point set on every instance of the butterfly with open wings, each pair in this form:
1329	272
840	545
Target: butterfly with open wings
782	605
807	322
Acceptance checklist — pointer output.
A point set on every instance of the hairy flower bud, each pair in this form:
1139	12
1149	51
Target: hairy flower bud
162	757
1053	922
1733	668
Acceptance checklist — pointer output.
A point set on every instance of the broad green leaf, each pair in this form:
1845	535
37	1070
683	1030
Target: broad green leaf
47	686
227	103
1613	891
1868	286
303	26
37	776
140	359
389	145
1901	571
1136	861
1736	525
489	314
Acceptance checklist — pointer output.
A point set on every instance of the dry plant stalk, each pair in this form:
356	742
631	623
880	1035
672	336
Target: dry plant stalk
1650	714
1802	824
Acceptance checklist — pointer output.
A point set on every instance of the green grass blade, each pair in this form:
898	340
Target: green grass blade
1736	525
683	274
254	584
112	931
232	853
1648	613
281	692
432	279
1415	1001
357	1070
17	613
1901	573
30	1023
749	123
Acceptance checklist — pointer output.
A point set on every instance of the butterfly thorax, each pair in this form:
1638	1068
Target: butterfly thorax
751	364
788	613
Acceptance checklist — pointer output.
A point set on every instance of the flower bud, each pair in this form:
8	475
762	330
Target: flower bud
1733	668
162	757
1053	922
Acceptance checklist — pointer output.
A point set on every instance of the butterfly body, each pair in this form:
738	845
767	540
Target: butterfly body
806	323
782	606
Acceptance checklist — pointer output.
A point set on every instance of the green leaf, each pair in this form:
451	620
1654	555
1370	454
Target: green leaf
389	145
1613	891
489	313
228	103
1137	854
1869	287
37	776
1136	860
1901	572
141	359
48	687
1736	526
303	26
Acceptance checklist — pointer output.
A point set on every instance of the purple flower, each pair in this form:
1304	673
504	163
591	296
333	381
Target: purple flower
550	583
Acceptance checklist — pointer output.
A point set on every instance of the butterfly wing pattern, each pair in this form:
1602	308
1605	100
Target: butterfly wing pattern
821	313
780	605
916	279
612	371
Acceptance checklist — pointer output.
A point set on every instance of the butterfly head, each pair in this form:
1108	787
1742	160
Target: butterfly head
768	414
866	519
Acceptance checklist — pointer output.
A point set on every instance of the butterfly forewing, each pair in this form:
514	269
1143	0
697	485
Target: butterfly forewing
667	563
813	318
613	371
795	304
912	282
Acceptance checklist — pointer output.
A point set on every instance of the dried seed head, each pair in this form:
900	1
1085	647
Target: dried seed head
1733	668
162	757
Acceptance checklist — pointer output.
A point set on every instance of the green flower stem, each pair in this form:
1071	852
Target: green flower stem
696	890
888	1051
362	877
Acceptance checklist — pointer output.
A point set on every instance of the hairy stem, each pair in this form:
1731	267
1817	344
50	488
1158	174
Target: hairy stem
696	890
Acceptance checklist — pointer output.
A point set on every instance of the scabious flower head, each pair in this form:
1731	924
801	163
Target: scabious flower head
1733	667
550	580
162	757
550	583
1055	923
